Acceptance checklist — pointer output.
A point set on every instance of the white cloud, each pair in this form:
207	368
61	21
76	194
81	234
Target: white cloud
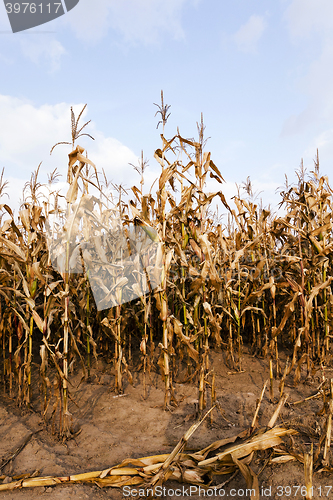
89	21
297	123
144	20
310	25
324	143
14	190
6	60
42	49
306	16
114	157
136	21
27	134
48	53
4	21
133	21
249	34
262	190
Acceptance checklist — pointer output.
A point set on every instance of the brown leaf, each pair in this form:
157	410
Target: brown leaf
13	247
250	477
261	441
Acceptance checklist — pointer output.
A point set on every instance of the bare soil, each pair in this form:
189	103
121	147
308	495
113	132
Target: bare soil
110	428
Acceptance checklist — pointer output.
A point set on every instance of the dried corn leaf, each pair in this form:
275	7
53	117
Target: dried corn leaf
260	441
13	247
250	478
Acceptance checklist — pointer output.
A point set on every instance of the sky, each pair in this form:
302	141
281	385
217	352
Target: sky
260	72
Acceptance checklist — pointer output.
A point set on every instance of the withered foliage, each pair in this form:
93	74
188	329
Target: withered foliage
251	277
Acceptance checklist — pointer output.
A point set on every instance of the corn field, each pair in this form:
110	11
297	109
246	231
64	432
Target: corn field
250	277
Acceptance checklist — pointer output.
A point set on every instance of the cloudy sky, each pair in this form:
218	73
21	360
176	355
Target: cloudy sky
261	72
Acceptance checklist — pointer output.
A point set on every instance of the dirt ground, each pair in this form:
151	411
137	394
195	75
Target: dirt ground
112	428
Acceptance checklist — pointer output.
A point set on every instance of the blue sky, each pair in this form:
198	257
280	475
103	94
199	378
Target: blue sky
261	72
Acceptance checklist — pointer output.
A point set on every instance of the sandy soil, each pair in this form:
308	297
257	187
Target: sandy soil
112	428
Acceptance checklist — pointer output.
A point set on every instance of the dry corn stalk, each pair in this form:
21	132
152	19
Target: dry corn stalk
258	279
190	468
